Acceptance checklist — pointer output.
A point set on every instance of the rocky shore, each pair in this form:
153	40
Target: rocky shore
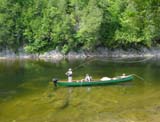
100	52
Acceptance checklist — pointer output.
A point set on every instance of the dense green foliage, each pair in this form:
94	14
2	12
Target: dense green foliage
41	25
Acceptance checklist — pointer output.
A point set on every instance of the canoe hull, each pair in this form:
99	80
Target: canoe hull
95	83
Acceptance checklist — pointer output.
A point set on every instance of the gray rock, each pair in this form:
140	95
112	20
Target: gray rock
75	55
100	52
51	55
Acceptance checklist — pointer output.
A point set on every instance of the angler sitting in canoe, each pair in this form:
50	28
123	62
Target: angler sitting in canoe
123	75
87	78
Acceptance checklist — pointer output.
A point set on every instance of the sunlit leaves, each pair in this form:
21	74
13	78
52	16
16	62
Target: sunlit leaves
42	25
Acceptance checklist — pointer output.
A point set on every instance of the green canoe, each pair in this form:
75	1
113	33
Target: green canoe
115	80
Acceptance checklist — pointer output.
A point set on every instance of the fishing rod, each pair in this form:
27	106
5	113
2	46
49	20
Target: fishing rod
118	61
83	64
122	61
92	61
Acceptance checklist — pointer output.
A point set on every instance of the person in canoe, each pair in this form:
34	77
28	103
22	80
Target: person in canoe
69	74
88	78
123	75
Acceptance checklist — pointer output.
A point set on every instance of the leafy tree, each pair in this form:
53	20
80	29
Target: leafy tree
89	25
66	25
11	34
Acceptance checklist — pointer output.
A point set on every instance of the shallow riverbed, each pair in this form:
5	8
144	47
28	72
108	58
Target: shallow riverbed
27	93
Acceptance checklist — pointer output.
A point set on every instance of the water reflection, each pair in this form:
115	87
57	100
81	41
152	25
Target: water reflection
88	89
70	90
26	89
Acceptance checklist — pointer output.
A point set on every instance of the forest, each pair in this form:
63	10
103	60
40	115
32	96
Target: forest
65	25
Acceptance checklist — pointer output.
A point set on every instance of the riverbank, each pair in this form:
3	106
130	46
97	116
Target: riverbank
100	52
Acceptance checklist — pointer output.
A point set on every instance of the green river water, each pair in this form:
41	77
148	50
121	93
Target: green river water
27	95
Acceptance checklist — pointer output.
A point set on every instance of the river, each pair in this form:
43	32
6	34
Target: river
28	95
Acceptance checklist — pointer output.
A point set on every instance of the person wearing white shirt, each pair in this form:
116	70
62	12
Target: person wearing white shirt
69	74
87	78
